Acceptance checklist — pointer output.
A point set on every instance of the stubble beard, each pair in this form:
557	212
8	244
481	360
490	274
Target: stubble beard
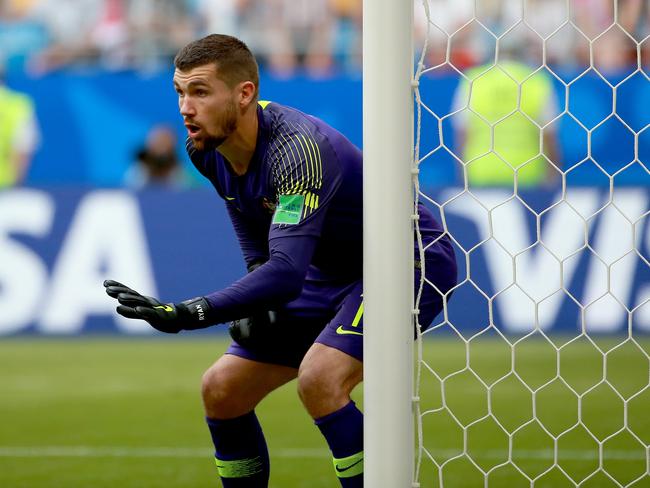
228	125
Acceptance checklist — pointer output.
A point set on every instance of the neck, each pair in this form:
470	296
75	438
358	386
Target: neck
239	148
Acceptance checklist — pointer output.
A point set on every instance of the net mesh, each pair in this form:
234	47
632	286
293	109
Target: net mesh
505	395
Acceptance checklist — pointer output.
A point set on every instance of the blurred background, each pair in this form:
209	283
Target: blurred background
93	146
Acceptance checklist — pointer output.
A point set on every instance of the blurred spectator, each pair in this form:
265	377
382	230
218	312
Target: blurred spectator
19	135
300	35
634	17
109	37
610	47
222	16
156	163
449	25
347	43
501	110
69	24
252	20
547	23
157	30
21	36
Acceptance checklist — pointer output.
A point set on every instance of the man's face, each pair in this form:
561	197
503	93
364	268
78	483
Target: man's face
207	105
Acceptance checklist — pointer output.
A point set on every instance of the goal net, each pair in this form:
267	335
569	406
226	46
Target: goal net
531	147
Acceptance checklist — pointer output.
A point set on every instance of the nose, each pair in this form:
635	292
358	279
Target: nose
186	107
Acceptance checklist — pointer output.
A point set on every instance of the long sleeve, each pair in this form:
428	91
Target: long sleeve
276	282
253	239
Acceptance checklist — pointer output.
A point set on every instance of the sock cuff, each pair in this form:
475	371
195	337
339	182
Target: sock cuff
349	466
239	468
341	412
234	421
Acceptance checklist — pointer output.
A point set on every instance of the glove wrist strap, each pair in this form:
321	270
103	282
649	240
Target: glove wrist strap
196	312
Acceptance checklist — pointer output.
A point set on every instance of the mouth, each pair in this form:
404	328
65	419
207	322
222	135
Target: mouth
192	129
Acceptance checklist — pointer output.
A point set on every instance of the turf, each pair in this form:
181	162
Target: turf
126	412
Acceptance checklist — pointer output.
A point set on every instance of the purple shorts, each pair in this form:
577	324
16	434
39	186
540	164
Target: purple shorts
331	313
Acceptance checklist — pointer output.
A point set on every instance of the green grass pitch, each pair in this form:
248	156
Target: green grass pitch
107	412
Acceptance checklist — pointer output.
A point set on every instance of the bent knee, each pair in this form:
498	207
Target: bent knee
219	393
326	378
233	386
314	384
322	392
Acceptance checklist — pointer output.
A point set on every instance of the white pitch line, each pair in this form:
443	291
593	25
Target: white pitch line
298	453
143	452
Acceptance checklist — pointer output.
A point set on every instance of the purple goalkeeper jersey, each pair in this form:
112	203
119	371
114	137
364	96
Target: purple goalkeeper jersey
298	209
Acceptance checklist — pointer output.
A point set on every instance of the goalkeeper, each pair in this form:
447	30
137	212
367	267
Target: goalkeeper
293	188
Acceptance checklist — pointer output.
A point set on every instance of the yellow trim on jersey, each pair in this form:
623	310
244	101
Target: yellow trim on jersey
263	103
311	203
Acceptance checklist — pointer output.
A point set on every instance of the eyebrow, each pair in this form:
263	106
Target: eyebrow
193	84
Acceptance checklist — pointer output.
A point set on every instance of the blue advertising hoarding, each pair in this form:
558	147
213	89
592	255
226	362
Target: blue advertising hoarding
589	267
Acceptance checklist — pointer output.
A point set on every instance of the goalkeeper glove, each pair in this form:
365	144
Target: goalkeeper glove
253	332
165	317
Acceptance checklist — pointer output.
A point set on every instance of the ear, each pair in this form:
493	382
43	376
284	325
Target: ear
246	93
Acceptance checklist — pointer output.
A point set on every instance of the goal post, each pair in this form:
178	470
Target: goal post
388	243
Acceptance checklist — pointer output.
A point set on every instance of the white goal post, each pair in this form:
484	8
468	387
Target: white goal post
388	243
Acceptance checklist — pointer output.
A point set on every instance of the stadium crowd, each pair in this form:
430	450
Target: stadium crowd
43	35
318	36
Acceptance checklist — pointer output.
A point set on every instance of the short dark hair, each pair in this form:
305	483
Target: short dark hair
234	61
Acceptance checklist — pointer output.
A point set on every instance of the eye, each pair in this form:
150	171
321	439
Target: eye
201	93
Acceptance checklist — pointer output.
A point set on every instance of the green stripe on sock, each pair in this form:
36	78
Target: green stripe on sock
349	466
239	468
